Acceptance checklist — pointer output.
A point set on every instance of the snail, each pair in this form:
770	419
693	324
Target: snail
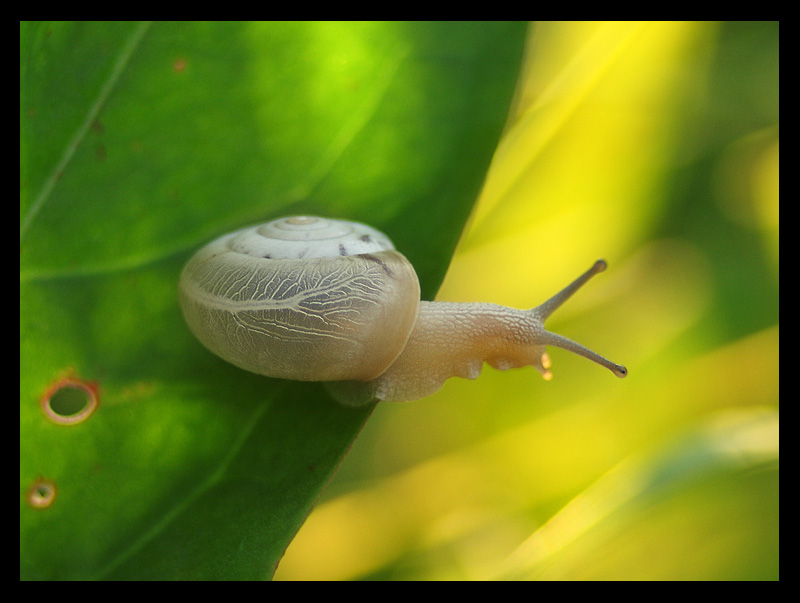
317	299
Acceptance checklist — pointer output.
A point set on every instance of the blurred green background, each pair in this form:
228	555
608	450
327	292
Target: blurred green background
653	145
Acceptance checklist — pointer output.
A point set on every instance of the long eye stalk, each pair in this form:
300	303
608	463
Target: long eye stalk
544	310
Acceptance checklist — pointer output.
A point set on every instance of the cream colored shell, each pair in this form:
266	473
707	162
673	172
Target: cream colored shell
302	298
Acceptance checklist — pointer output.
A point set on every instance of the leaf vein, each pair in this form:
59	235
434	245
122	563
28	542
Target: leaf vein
119	66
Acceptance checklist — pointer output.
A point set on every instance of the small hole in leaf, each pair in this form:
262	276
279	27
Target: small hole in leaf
41	494
70	401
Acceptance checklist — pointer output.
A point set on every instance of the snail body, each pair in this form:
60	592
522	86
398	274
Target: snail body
316	299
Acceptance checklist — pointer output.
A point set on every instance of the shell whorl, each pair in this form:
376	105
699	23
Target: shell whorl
305	237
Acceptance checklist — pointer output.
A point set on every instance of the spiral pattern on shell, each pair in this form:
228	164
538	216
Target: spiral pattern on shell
305	237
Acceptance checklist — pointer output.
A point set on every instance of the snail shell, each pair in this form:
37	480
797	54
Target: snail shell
316	299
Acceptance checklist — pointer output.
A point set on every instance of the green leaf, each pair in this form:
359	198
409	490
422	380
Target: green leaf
138	143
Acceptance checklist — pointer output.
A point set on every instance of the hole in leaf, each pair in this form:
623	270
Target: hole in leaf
70	401
41	494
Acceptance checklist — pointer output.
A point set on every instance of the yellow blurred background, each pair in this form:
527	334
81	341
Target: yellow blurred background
655	146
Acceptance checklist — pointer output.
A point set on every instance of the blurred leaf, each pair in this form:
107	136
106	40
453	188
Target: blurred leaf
673	502
139	142
464	511
656	146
